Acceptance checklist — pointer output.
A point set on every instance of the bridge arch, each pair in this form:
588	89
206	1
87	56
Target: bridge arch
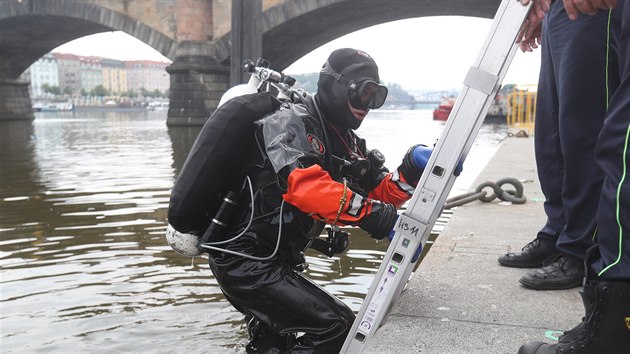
200	70
296	27
39	21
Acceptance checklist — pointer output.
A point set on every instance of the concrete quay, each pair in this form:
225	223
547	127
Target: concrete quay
460	300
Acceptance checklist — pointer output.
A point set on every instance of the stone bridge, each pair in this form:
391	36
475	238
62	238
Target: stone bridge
205	39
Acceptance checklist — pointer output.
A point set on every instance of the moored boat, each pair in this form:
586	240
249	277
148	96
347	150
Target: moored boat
53	106
444	109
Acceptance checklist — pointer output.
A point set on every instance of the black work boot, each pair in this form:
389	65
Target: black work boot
530	256
605	328
588	298
559	272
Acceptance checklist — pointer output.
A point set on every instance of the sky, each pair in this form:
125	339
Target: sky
429	53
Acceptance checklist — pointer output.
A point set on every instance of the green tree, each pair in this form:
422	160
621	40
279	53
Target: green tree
307	82
84	92
99	91
68	90
55	90
130	94
145	93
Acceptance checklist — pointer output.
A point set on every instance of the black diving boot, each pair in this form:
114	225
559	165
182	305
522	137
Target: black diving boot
604	330
263	341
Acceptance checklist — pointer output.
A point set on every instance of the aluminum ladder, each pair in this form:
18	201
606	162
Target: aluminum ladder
414	225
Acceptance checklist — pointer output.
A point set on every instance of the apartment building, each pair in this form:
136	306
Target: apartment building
69	69
147	74
91	72
114	75
43	72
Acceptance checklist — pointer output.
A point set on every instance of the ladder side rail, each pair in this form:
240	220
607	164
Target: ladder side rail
467	147
466	109
415	224
408	271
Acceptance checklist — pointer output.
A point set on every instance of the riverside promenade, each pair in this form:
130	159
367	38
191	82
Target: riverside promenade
460	300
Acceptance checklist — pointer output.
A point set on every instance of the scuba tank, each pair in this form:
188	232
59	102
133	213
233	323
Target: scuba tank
219	151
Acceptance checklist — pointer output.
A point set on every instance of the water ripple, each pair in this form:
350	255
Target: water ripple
82	219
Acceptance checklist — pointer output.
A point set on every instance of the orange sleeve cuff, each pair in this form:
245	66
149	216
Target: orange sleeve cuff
393	189
313	191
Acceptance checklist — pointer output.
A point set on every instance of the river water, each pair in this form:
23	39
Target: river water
84	266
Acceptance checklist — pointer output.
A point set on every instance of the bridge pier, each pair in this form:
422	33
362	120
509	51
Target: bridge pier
198	78
197	83
246	37
15	100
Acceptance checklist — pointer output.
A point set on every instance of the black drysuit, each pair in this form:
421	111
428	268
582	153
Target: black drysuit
320	172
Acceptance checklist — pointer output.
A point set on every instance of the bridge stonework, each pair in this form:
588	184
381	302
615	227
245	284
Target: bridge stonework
16	101
197	79
196	36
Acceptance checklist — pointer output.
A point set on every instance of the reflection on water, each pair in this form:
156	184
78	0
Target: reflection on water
83	200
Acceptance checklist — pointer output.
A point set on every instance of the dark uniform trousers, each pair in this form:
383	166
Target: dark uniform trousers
613	157
579	69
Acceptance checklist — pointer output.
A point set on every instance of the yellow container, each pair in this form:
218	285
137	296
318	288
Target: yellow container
521	103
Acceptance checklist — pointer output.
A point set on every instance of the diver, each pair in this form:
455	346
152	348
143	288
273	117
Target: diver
308	169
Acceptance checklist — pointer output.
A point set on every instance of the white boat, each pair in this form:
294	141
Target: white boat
53	106
157	106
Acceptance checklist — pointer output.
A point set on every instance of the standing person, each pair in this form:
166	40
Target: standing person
579	72
310	169
605	327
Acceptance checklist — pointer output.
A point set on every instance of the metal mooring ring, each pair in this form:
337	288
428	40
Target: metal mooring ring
488	197
516	196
